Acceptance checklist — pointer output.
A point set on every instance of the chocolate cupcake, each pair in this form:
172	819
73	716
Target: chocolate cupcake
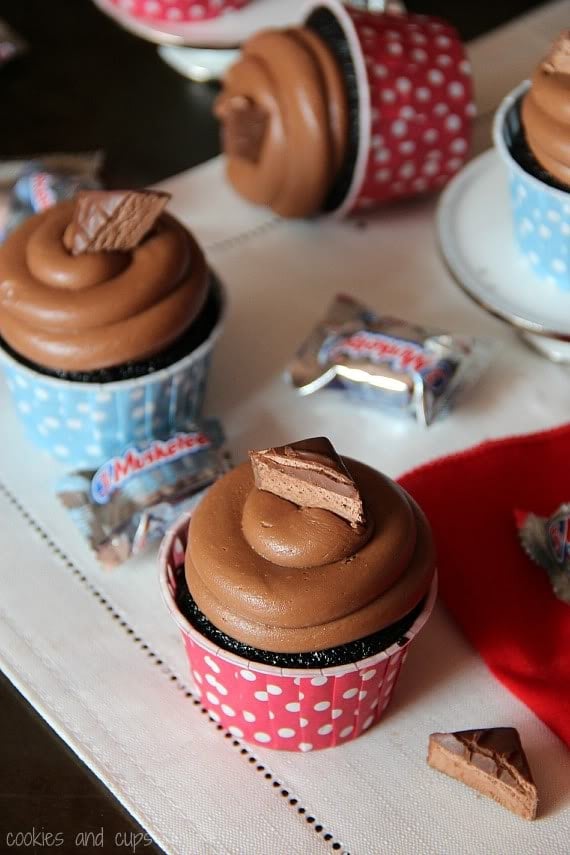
532	136
107	317
318	574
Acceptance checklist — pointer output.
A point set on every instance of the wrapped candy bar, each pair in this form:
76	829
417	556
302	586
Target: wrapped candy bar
389	362
130	501
546	541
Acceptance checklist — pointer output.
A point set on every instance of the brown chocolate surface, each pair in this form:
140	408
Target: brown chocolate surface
107	220
545	111
292	579
100	309
292	77
491	761
311	475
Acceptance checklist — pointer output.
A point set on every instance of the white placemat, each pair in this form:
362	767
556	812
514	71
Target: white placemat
97	655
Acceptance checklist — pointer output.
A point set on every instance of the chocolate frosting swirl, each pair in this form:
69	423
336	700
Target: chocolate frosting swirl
101	309
545	112
294	78
290	579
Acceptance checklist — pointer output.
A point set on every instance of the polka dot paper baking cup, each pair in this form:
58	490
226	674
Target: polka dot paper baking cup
178	11
85	424
415	102
541	214
282	708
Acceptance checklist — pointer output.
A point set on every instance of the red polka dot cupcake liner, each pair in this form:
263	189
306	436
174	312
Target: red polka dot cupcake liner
415	103
178	11
284	708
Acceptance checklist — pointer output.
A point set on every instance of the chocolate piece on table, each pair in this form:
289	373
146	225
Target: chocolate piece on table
312	475
244	127
491	761
114	220
558	60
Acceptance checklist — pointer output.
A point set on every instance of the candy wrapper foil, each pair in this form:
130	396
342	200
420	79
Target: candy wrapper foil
393	364
546	541
132	500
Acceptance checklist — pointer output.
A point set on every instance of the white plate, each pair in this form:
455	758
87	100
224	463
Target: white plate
226	31
476	237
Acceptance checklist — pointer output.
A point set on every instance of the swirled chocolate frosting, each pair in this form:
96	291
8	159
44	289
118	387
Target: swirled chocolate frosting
545	111
291	578
285	121
101	307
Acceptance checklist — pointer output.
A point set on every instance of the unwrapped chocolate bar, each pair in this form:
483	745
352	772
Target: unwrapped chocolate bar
389	362
132	500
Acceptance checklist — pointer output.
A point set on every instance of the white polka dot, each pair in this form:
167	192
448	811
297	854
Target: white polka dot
301	696
431	135
418	38
235	731
346	731
443	60
471	110
228	710
23	384
559	266
367	675
249	716
407	112
399	128
211	680
212	698
24	407
42	430
443	41
83	408
380	70
61	450
260	736
465	66
350	693
435	76
98	416
533	258
368	722
553	216
454	163
211	664
423	93
293	706
261	696
305	746
544	232
377	141
138	413
137	394
440	109
403	84
383	175
319	681
274	690
51	422
74	424
388	96
286	732
103	397
247	675
407	147
321	706
197	676
214	716
419	55
395	48
362	694
456	89
565	229
336	713
325	729
374	704
382	156
459	146
453	122
431	167
41	394
392	34
407	170
526	226
303	722
94	450
221	689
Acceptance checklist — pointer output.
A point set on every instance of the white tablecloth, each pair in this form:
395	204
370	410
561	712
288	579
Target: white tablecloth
97	654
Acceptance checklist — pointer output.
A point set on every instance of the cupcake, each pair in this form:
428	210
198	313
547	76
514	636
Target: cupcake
298	586
352	109
532	135
108	314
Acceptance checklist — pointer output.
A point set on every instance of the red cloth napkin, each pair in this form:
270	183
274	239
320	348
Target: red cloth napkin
502	600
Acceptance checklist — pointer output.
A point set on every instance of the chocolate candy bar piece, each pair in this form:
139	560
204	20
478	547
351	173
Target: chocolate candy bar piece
244	127
491	761
116	220
312	475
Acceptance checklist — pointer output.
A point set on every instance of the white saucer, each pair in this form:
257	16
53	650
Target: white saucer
227	31
476	237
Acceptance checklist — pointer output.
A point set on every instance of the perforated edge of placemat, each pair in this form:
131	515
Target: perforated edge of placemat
258	766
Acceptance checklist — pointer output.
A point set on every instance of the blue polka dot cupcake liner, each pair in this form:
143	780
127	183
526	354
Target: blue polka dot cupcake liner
84	424
541	214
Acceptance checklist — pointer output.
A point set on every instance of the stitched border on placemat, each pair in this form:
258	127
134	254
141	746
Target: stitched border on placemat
254	761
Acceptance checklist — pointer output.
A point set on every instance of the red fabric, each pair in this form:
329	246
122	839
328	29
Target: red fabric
500	598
